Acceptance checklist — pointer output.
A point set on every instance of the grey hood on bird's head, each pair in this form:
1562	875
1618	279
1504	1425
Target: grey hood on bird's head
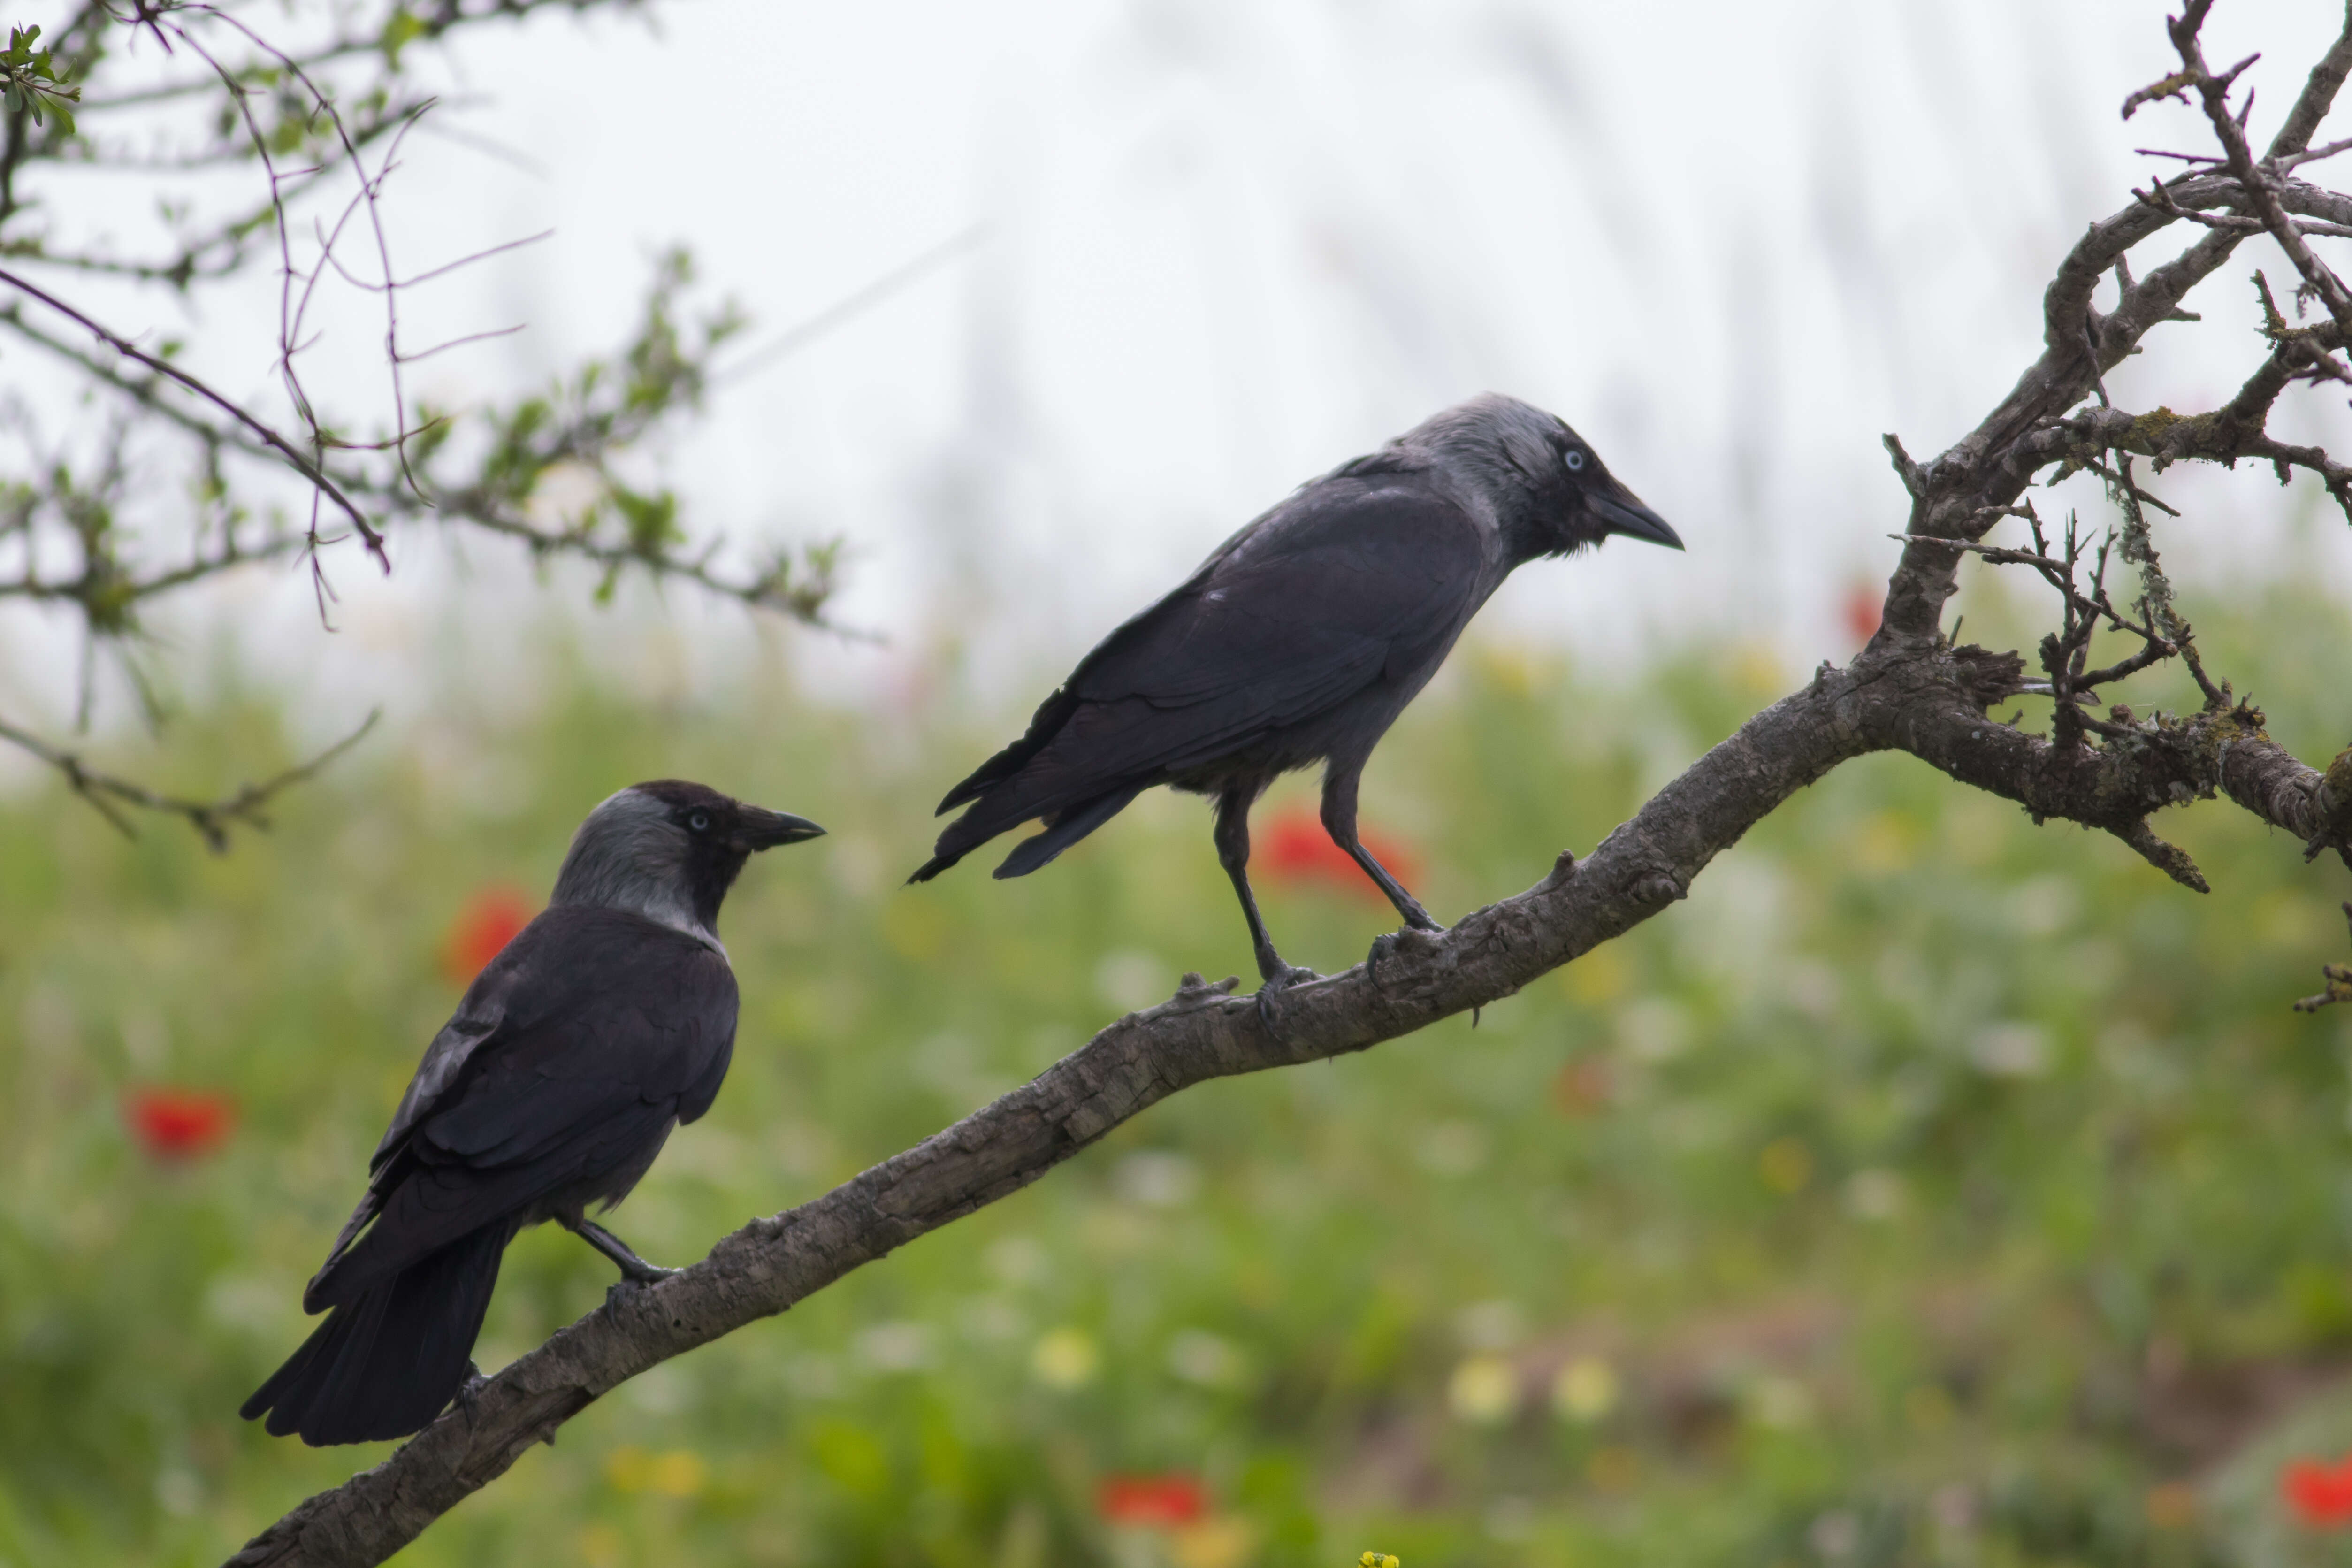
1533	478
669	850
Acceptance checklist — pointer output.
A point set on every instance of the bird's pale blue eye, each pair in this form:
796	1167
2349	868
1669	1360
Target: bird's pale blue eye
1575	461
700	821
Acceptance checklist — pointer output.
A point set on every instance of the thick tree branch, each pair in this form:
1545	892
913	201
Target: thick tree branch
2319	90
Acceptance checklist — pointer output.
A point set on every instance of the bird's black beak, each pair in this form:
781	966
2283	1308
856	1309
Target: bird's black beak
1625	514
760	829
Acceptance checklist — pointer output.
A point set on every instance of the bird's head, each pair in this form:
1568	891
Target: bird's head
1548	488
669	850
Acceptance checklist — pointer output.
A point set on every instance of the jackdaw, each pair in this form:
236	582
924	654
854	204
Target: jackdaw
1299	640
607	1021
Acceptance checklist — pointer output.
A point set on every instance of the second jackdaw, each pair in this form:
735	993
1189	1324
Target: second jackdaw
1299	640
605	1023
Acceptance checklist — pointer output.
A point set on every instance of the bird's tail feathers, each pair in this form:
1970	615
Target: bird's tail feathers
369	1204
1065	828
385	1363
934	866
1014	803
1051	715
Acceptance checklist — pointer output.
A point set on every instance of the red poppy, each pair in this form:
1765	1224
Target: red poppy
488	922
1863	603
1295	850
1582	1088
178	1123
1155	1502
2319	1494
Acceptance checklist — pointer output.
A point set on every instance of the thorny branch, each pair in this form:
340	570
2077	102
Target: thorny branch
1910	690
2255	180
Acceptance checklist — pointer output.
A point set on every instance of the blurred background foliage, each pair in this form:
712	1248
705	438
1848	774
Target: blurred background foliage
1929	1188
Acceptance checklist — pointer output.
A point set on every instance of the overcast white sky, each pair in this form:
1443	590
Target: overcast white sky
1226	244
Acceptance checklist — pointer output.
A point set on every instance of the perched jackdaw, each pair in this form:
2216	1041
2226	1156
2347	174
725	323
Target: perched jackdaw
606	1022
1299	640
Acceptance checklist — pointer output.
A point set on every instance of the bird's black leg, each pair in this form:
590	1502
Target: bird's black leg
1339	822
631	1266
1232	850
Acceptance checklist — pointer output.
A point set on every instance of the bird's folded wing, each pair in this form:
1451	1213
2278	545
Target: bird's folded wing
610	1026
1355	580
1352	583
1343	565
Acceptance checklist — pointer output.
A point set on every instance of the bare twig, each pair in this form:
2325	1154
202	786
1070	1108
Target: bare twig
261	432
841	312
2256	183
2338	977
108	793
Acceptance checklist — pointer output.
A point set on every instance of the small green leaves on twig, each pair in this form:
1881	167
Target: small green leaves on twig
2339	981
32	84
401	29
551	476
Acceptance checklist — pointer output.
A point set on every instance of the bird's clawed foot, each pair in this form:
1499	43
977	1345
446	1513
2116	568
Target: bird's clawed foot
1279	977
629	1284
469	1392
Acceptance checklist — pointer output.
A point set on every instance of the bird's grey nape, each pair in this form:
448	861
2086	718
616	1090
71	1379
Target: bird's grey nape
1500	440
630	855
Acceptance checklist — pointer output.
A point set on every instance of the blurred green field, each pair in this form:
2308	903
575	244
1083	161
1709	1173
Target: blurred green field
1929	1188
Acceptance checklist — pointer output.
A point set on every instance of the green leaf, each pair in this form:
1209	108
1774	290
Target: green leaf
652	520
400	29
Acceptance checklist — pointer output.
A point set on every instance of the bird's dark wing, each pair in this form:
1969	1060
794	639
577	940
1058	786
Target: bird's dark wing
600	1029
479	1015
1355	580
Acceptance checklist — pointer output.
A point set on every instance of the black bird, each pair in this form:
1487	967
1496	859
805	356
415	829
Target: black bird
1299	640
606	1022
